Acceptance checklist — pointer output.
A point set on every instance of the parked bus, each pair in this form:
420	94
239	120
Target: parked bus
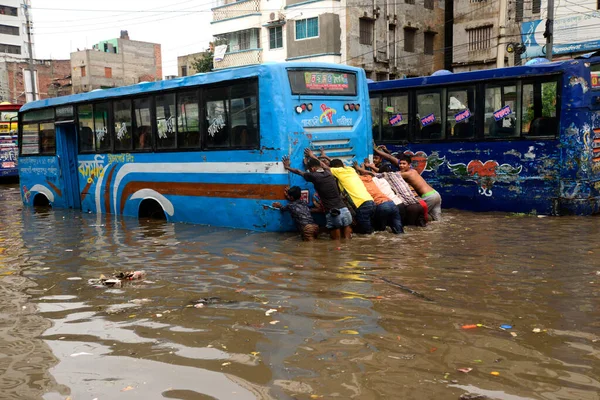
203	149
519	139
8	140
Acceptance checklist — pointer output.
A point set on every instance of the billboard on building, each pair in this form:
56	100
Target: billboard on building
572	34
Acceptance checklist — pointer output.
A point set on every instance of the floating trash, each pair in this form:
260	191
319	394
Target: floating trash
505	326
271	311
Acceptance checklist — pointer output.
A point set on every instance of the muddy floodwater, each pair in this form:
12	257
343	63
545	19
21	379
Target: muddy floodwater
379	317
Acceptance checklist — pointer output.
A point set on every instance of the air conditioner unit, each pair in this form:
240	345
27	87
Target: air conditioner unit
272	16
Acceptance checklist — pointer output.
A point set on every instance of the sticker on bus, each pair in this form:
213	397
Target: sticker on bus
595	79
503	112
462	116
428	120
396	119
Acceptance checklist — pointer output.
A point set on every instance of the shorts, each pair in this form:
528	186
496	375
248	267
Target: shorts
309	231
339	221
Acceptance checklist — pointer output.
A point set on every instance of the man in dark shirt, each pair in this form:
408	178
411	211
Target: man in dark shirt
300	213
339	219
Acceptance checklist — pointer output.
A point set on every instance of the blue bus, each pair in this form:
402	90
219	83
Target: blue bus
519	139
8	140
202	149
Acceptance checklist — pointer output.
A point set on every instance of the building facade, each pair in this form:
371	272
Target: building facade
53	79
185	64
14	42
388	39
484	32
115	62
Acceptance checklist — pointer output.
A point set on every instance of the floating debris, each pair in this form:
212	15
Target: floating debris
271	311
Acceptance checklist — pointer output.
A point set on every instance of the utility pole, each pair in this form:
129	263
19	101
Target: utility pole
29	47
501	34
549	34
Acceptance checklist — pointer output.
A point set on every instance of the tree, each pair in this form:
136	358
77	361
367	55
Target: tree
204	63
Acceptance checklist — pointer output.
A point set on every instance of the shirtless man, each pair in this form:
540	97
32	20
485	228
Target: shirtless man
427	193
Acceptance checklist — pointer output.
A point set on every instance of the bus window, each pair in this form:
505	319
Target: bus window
86	128
188	121
394	124
217	117
165	121
31	139
48	138
376	116
101	127
460	116
244	118
538	110
429	114
122	116
500	111
142	135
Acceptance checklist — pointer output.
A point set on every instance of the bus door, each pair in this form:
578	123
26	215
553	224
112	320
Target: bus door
66	150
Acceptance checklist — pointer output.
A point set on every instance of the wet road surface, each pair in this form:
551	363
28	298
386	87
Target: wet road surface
377	317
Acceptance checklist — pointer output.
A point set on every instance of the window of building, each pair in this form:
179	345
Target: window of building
188	120
394	124
429	4
428	42
365	31
480	38
142	119
102	128
501	111
275	37
165	122
409	1
460	113
519	5
409	40
107	72
184	70
232	117
10	49
243	40
9	30
82	71
123	129
307	28
6	10
536	6
429	114
539	109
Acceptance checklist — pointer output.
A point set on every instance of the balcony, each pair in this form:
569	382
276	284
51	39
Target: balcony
236	9
239	58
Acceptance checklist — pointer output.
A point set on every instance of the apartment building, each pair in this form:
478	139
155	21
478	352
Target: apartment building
186	63
116	62
13	29
53	80
387	38
483	31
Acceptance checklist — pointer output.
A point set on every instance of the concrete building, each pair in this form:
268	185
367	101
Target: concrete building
483	31
388	39
185	63
13	29
53	78
116	62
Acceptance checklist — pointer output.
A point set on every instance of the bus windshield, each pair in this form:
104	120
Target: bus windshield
322	82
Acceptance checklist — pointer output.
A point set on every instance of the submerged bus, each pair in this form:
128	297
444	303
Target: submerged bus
519	139
203	149
8	140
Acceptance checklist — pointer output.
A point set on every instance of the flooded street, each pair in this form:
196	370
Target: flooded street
378	317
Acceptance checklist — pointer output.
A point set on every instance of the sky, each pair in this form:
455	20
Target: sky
63	26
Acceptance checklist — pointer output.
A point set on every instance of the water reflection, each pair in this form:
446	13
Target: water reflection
304	320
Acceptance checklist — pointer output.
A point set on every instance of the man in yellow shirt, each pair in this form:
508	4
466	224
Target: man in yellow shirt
351	183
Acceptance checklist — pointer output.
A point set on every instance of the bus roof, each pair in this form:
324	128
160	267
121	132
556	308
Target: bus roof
193	80
5	106
471	76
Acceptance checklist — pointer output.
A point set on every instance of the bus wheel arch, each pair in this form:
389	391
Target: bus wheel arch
41	200
151	208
